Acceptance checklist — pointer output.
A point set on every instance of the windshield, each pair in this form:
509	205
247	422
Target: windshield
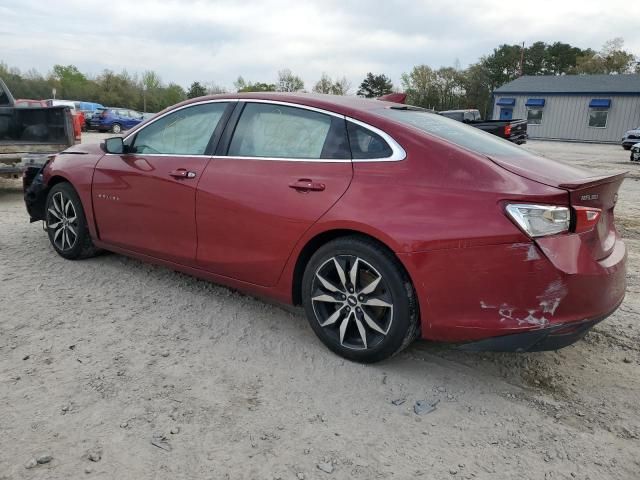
455	132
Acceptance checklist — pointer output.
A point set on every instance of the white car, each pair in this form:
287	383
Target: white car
631	138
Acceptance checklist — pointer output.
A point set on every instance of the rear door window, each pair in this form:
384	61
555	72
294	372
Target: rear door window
187	131
267	130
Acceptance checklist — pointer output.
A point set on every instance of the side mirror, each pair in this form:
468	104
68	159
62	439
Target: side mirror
114	145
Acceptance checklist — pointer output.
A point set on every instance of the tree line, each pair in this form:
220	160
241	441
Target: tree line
440	89
451	87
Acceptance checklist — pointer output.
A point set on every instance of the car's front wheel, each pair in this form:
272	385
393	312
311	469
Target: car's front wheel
67	224
116	128
359	300
626	147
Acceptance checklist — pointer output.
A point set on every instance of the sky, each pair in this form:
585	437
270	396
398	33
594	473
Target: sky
215	41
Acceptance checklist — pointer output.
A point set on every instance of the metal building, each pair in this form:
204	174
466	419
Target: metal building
584	108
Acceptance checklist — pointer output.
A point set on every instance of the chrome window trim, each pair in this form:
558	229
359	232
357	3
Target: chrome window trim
179	155
286	159
398	153
290	104
155	119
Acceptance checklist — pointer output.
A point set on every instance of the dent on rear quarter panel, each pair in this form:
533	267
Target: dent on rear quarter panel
443	208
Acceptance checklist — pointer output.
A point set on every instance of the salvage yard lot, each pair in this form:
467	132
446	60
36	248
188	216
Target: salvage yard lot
120	369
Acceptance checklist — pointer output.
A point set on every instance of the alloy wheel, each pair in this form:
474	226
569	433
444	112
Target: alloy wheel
352	302
62	219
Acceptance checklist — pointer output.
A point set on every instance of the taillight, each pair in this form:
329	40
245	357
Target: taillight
507	130
540	220
586	218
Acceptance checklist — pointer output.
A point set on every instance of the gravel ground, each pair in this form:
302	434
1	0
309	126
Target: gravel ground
112	368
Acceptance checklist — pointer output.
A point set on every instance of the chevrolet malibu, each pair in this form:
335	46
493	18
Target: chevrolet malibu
384	221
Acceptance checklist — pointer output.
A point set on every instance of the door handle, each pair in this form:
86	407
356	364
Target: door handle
182	173
307	185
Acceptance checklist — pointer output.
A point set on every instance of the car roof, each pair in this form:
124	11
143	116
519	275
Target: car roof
343	104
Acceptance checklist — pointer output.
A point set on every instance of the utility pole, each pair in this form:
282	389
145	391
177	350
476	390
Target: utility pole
522	60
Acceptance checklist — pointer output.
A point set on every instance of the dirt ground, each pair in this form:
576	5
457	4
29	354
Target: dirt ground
116	369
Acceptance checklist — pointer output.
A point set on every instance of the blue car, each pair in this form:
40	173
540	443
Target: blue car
115	120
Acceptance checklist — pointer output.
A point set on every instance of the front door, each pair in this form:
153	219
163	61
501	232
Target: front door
285	167
144	200
506	113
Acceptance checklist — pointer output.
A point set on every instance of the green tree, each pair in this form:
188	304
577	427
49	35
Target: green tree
477	88
534	59
561	58
340	86
288	82
450	88
196	90
503	65
420	85
374	86
171	95
612	58
242	85
70	82
215	89
323	85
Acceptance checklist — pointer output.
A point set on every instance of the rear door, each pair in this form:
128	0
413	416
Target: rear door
144	200
277	172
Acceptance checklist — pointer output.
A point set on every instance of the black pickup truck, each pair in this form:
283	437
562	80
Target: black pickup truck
28	135
513	130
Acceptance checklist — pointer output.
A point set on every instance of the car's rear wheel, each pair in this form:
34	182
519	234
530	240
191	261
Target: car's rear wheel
116	128
626	147
67	224
359	301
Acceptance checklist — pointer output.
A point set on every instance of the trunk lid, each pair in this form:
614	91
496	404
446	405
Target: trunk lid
584	188
601	193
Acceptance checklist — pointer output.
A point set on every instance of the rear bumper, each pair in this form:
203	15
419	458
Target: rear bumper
478	293
551	338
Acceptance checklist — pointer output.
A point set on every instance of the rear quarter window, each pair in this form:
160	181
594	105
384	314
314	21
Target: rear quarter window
366	144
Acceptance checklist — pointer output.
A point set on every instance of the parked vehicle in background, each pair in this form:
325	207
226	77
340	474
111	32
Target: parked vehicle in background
630	138
116	120
78	116
28	103
29	132
88	109
513	130
385	221
466	116
635	153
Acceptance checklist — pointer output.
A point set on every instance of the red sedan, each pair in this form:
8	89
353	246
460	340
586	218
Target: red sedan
386	222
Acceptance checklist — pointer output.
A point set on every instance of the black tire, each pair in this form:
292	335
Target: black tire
626	147
77	243
397	324
116	128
